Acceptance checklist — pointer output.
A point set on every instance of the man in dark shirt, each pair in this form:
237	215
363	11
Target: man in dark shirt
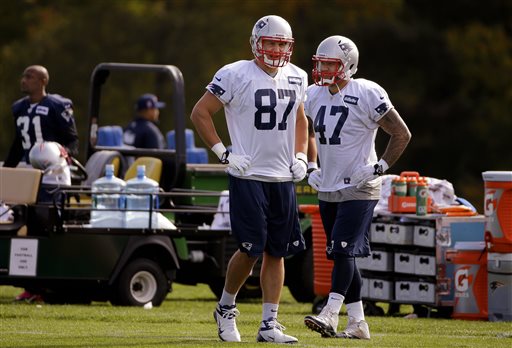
143	132
40	116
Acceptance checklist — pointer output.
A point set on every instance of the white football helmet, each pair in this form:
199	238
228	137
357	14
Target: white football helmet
272	28
52	158
337	49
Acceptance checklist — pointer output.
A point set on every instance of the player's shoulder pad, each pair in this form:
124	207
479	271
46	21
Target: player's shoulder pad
235	68
57	99
366	84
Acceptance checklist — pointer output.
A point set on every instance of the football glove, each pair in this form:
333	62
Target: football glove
299	166
238	162
315	179
368	172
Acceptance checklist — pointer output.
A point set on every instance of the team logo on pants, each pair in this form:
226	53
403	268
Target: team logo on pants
247	245
330	248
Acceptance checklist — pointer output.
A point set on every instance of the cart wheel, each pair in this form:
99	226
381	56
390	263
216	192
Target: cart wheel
140	282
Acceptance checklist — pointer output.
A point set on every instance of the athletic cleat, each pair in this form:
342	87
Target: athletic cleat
272	331
355	329
326	323
225	318
28	297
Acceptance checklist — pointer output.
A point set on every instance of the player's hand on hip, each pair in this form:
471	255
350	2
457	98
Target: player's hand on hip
238	162
368	172
299	166
315	179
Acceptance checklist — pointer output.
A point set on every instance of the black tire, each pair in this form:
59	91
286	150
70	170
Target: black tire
299	276
140	282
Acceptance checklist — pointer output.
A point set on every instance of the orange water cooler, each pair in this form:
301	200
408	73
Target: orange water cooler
469	280
498	238
322	267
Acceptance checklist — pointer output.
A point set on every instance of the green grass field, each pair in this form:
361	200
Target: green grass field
185	320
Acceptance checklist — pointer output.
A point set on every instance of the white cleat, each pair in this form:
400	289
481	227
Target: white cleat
355	329
326	323
272	331
225	317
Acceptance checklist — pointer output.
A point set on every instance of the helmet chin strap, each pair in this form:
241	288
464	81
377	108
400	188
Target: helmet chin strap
338	86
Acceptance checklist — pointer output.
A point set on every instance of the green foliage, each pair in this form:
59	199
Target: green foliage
445	64
185	320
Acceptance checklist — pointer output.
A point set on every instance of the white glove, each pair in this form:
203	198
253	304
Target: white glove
6	214
238	162
315	179
368	172
299	166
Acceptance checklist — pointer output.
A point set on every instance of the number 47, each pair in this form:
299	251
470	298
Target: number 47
319	124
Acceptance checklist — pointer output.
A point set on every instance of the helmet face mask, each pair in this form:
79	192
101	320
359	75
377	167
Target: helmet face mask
335	49
272	41
327	77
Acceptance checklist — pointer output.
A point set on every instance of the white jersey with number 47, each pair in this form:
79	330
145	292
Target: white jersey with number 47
261	114
345	128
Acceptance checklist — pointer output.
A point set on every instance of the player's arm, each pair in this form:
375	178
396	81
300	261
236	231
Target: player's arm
71	141
312	151
299	164
202	118
15	153
400	136
68	135
301	131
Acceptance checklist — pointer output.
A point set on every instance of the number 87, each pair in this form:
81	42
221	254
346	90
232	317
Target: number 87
269	109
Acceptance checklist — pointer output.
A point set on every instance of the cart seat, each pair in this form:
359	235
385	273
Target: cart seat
19	185
18	189
153	168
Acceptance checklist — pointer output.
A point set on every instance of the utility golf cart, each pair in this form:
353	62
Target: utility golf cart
52	249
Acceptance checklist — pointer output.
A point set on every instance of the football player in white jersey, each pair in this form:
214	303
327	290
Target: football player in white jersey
263	105
346	115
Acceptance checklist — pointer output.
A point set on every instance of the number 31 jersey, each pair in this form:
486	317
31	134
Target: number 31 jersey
49	120
345	128
261	114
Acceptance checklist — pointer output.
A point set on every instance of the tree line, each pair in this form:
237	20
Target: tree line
445	64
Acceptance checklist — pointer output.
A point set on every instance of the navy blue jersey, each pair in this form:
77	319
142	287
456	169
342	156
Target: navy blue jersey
142	133
49	120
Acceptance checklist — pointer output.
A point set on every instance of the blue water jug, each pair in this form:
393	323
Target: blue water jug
108	200
141	196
